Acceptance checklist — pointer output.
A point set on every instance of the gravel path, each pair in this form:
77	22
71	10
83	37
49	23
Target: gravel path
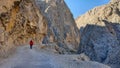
32	58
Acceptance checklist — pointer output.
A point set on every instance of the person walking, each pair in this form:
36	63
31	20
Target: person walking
31	44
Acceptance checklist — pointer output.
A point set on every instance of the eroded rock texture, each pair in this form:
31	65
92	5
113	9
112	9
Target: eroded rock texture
100	33
62	29
44	21
19	20
110	12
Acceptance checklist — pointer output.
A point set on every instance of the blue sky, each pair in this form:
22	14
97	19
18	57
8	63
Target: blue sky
79	7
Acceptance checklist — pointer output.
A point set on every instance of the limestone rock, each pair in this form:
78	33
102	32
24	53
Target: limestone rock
43	21
109	12
19	22
97	41
62	29
81	57
113	1
100	33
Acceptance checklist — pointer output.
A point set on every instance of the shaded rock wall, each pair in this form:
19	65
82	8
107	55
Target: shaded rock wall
19	22
100	33
62	29
44	21
97	42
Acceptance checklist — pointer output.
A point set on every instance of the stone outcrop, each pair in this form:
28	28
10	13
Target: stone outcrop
20	21
43	21
113	1
62	29
110	12
100	33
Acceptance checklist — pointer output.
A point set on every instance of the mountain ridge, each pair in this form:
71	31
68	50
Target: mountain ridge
100	33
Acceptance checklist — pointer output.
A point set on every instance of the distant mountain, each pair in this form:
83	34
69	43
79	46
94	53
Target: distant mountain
110	12
100	33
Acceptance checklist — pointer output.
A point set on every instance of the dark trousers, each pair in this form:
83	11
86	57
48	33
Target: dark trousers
30	46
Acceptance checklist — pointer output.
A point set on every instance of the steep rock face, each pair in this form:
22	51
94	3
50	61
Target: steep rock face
20	21
110	12
100	33
46	21
62	29
97	42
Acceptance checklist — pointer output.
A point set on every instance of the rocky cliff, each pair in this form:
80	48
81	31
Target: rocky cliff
20	21
110	12
100	33
44	21
62	29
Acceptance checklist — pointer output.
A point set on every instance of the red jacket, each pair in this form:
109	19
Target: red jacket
31	42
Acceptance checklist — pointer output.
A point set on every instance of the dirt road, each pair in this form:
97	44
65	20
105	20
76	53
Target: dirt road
32	58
